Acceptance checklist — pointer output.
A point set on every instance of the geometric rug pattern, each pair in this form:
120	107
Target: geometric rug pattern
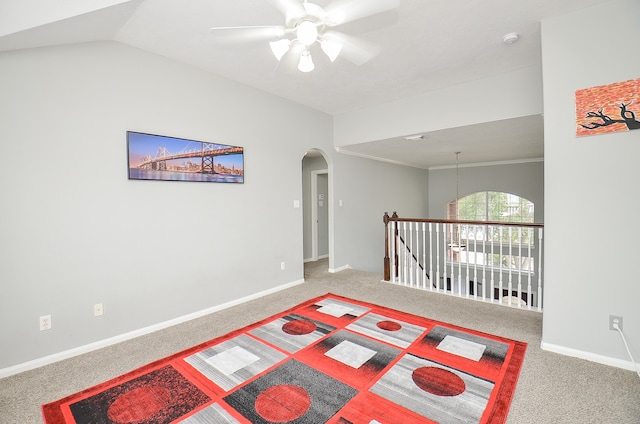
328	360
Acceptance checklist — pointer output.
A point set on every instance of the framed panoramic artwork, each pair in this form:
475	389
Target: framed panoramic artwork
608	108
159	157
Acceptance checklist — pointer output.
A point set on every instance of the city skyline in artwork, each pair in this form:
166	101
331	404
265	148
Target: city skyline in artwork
158	157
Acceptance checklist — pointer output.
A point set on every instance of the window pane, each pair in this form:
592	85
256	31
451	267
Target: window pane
491	206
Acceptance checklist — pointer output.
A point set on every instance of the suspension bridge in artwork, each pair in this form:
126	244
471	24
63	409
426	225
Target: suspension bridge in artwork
206	155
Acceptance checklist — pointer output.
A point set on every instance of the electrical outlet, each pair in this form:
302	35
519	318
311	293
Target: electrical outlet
615	319
98	310
282	266
45	322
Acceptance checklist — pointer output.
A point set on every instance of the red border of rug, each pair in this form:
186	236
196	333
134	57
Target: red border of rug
505	373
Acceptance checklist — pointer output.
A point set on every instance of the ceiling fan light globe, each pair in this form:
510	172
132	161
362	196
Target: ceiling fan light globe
306	63
280	47
307	33
331	48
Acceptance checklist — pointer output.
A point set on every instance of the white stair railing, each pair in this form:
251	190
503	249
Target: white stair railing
498	262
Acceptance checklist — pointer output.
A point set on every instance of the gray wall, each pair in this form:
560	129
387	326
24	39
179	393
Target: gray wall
591	187
509	95
368	189
525	179
76	232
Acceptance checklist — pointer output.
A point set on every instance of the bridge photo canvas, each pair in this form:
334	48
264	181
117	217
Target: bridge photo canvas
159	157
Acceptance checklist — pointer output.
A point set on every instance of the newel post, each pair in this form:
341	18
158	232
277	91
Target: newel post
387	269
387	260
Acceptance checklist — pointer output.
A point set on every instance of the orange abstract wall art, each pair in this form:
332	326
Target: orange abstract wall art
608	108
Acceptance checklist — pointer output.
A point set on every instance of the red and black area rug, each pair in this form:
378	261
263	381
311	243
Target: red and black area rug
328	360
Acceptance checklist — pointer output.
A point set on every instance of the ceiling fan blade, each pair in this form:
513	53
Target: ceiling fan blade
355	50
342	11
287	7
248	33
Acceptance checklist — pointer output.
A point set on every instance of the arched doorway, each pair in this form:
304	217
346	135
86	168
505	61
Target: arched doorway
316	207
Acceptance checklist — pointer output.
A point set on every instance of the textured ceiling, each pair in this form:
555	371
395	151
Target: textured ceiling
424	45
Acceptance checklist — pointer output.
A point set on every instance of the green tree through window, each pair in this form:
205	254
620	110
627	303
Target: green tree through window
492	206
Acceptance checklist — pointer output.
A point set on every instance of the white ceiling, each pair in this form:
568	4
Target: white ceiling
425	45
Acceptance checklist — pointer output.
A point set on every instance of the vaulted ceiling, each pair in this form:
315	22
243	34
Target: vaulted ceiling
424	45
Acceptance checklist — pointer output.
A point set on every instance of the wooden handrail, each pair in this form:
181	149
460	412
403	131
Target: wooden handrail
395	218
454	221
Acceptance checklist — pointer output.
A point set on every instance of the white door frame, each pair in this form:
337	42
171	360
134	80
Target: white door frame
314	211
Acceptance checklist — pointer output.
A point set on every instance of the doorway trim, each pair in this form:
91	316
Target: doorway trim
314	211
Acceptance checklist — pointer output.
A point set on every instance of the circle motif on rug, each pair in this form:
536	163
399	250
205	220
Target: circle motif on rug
138	405
283	403
299	327
438	381
389	325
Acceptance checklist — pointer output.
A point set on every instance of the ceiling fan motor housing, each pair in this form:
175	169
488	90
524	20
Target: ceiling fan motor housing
313	13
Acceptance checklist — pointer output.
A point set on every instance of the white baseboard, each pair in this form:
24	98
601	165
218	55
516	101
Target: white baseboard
50	359
342	268
307	260
589	356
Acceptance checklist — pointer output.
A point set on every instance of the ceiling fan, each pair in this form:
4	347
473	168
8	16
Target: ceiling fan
306	24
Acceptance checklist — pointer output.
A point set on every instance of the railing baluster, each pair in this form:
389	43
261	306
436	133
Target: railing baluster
466	278
438	256
431	275
493	272
458	277
445	252
408	252
529	268
500	276
540	269
475	262
399	253
455	262
405	261
410	263
452	277
424	255
510	231
398	268
464	282
407	257
417	255
392	251
399	258
520	266
484	262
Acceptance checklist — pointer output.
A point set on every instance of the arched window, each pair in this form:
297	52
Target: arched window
491	206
